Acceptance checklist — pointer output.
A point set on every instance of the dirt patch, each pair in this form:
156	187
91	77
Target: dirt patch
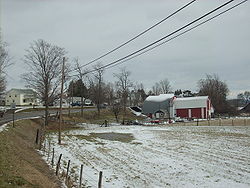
20	163
112	136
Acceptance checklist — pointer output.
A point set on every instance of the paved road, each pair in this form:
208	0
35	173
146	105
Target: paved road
21	115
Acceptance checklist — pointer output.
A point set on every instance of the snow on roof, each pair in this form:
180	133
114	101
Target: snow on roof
192	98
159	98
21	91
191	102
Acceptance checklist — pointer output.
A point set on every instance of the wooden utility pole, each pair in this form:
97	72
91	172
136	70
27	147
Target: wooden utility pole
61	96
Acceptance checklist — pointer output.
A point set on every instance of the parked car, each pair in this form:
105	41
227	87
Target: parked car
88	102
2	111
76	104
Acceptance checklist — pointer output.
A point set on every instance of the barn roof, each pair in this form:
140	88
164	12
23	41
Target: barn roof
159	98
192	98
191	102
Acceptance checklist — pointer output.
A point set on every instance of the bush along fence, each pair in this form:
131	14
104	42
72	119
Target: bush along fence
70	176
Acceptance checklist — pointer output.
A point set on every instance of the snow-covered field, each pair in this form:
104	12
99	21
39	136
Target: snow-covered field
169	156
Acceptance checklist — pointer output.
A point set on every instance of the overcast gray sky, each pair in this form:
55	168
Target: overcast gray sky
87	29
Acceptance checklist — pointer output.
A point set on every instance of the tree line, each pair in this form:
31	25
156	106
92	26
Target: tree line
44	68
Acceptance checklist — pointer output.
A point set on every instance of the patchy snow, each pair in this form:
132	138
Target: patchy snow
136	113
163	156
3	127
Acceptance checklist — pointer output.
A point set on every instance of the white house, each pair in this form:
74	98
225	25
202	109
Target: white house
21	97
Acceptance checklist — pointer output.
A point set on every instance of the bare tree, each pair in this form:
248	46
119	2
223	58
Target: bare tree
165	86
4	63
161	87
123	83
44	61
156	89
217	91
109	92
115	106
116	109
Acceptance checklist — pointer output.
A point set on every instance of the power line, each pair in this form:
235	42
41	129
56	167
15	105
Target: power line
159	40
140	34
182	33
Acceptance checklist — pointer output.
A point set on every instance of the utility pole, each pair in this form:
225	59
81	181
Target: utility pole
13	107
61	96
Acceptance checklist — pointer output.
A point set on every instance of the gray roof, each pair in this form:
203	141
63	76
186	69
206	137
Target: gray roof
22	91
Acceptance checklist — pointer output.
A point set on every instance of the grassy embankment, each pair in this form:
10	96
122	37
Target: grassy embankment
20	163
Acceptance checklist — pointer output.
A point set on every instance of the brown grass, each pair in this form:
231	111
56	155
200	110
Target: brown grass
93	117
20	163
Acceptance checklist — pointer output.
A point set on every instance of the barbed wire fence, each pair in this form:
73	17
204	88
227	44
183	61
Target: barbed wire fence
71	176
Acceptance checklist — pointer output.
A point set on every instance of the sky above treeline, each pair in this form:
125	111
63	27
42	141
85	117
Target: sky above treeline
88	29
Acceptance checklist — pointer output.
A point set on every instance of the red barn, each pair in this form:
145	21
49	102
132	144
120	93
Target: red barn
192	107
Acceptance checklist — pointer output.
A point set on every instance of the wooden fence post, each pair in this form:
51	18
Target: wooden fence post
48	151
37	136
100	180
53	155
67	173
197	122
80	184
58	164
44	146
232	122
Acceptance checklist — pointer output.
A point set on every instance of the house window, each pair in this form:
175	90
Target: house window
10	96
13	100
24	100
15	95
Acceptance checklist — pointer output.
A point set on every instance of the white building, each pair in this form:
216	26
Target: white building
21	97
